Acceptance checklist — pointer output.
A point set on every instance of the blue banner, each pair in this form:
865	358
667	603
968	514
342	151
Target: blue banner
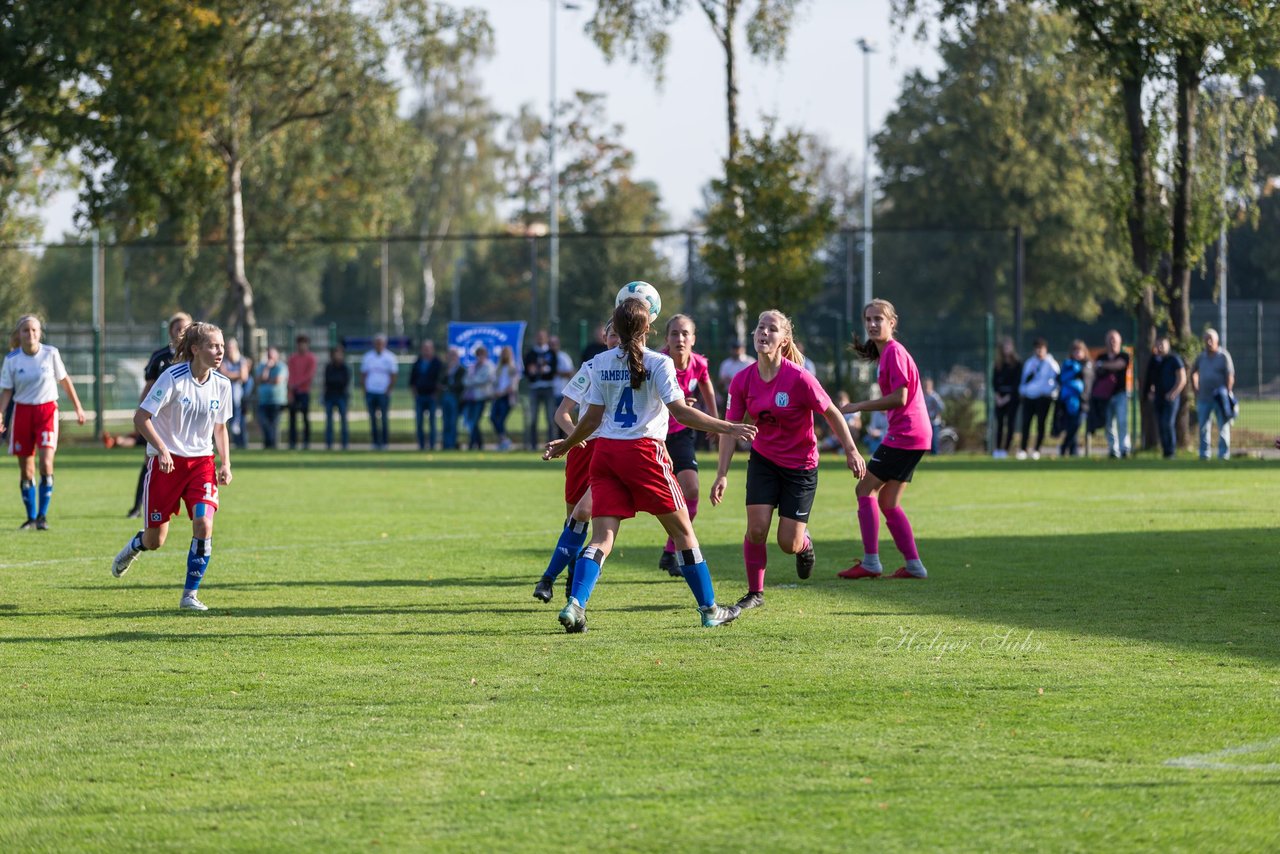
492	336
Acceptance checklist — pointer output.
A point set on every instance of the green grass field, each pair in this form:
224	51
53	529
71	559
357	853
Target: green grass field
374	674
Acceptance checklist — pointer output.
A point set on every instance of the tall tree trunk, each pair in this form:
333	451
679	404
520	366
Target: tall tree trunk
243	316
1189	65
1139	247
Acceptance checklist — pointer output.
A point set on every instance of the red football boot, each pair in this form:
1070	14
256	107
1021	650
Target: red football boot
902	573
857	571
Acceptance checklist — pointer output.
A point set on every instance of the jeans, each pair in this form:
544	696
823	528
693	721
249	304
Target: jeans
498	415
301	406
378	403
1205	411
269	418
1166	418
1005	416
1038	408
544	399
1070	446
472	413
335	403
449	421
1117	425
424	408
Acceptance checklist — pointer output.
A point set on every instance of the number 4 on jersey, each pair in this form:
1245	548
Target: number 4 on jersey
625	415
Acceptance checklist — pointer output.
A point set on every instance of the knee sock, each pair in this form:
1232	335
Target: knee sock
869	523
29	498
46	494
756	557
697	576
585	574
197	562
135	545
692	503
566	551
904	539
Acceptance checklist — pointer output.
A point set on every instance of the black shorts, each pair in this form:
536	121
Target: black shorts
894	463
790	490
681	448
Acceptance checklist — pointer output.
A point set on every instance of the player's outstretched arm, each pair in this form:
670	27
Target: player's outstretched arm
840	429
893	400
564	415
722	472
587	425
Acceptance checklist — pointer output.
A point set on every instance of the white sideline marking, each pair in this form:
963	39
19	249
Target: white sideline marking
380	541
1206	760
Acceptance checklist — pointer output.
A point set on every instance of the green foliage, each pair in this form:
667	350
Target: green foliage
783	223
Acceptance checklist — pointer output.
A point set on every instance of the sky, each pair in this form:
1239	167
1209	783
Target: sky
678	132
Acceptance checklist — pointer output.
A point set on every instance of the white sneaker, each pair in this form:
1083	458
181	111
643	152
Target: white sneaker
1022	455
191	603
1035	455
127	558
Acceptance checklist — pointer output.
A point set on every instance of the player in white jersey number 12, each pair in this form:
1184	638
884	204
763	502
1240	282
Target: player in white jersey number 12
184	418
633	389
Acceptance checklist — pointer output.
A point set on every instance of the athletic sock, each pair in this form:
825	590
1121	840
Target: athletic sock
29	498
869	523
900	528
197	562
808	542
567	548
585	574
135	545
755	556
670	547
697	576
46	494
916	567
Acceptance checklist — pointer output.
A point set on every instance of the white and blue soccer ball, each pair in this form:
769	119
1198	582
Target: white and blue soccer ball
644	292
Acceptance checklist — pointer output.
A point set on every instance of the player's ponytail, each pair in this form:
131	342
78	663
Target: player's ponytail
790	349
195	335
631	322
869	350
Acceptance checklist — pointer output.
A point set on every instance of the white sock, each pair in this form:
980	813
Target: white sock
871	563
916	568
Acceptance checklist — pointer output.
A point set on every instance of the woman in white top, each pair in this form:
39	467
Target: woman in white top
184	420
506	388
30	378
477	388
1037	389
633	389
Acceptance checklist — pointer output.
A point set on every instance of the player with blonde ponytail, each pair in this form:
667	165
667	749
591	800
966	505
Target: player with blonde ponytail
632	391
780	398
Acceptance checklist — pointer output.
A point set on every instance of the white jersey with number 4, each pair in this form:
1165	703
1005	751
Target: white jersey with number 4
184	411
633	413
34	379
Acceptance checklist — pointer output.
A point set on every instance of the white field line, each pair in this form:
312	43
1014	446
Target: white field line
1202	761
280	547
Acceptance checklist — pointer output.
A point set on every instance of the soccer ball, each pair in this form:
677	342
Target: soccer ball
644	292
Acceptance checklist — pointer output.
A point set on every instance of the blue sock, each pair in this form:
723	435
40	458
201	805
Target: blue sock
29	497
585	574
46	494
571	540
197	562
697	576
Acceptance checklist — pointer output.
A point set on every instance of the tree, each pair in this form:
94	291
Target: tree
785	225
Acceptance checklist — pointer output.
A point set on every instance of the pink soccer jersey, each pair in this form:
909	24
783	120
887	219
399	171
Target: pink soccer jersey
689	380
782	410
909	427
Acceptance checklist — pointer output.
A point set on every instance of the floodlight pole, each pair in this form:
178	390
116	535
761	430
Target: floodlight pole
867	49
553	217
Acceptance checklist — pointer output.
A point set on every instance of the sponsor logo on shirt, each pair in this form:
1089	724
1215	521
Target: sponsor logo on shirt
581	380
157	395
781	399
186	401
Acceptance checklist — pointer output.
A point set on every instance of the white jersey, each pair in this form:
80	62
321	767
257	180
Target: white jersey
185	411
633	413
34	379
578	387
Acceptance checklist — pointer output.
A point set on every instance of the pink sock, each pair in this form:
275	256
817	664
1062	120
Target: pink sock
756	557
869	522
900	528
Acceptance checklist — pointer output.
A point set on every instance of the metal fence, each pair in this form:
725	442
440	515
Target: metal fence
945	285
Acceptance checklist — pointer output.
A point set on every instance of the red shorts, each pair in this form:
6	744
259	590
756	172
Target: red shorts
632	475
35	425
577	471
193	480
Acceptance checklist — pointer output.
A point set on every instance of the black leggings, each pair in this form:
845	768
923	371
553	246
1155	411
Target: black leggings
1037	407
1004	424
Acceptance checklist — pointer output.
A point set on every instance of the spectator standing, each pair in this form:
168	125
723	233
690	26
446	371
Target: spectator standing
1005	378
1111	393
934	405
424	379
273	396
1073	390
506	391
1037	387
1165	380
238	368
451	399
737	361
302	372
337	394
540	364
378	371
1213	377
477	388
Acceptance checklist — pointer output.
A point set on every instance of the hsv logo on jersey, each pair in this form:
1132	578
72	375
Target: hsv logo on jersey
213	406
781	398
